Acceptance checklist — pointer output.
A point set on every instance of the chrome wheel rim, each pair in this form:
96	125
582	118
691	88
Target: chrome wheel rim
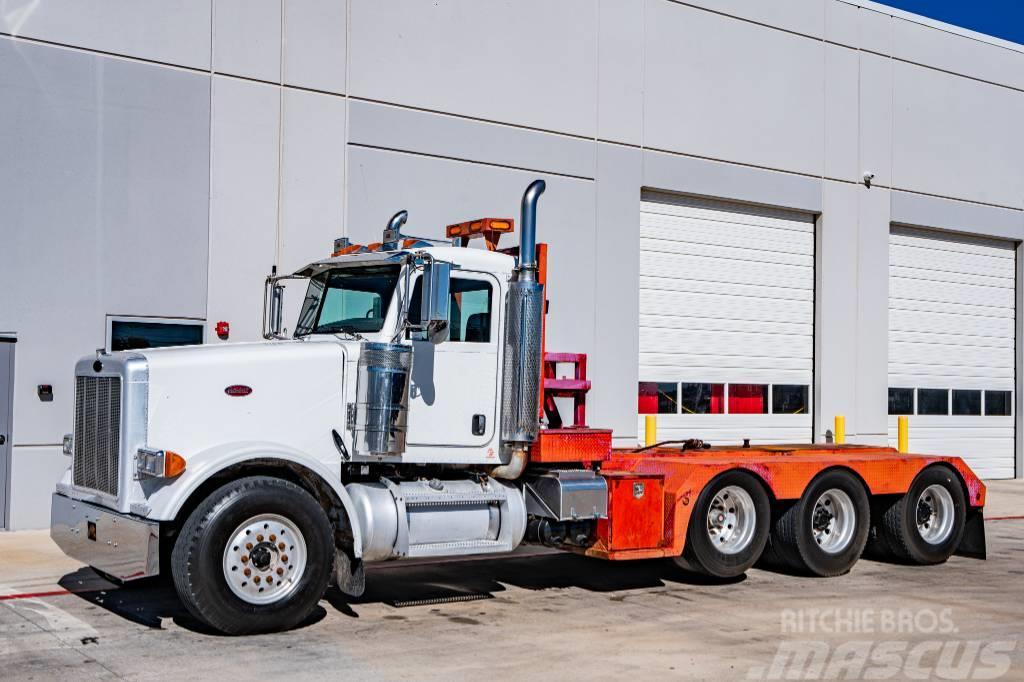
833	521
265	559
935	514
732	519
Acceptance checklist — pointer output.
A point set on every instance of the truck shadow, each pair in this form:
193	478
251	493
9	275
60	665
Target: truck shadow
399	584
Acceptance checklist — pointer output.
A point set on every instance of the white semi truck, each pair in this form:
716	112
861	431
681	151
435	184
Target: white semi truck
403	418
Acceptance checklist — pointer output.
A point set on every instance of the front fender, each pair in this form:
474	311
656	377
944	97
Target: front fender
167	497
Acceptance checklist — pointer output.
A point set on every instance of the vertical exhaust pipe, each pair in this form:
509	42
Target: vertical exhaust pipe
523	337
528	235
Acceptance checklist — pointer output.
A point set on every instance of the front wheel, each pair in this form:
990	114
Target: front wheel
255	556
729	526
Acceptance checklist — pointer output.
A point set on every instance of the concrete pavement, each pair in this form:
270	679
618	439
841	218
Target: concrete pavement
543	615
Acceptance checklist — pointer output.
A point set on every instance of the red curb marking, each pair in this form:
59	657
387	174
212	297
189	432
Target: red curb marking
30	595
1004	518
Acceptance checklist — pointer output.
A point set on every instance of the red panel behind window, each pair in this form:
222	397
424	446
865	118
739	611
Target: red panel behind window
748	398
717	398
647	398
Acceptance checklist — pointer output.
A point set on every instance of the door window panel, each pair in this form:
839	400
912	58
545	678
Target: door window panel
789	399
966	403
748	399
932	401
997	403
702	398
658	397
901	401
469	309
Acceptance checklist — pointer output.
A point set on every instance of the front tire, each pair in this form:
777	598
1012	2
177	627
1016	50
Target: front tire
925	526
255	556
728	527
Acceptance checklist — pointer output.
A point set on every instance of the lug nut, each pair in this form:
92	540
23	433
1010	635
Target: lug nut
247	572
273	537
280	571
284	558
256	580
248	545
259	538
280	546
245	560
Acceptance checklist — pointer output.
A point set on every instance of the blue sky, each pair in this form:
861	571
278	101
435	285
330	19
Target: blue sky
1001	18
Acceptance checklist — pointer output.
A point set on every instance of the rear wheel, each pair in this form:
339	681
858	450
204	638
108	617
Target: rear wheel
925	526
728	527
255	556
825	531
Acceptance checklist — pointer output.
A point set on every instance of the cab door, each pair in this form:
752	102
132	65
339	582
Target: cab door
453	395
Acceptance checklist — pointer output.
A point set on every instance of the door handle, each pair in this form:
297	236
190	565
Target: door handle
479	424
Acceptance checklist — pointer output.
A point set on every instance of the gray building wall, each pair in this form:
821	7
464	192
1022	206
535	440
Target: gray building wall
160	157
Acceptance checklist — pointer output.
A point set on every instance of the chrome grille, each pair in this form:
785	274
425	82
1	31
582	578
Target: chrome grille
97	433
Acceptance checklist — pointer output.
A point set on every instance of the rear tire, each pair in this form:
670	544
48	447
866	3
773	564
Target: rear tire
925	526
728	527
825	531
255	556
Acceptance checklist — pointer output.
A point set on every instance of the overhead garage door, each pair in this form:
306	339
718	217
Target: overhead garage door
952	346
726	320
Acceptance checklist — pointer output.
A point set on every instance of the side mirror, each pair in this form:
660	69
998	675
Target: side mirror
436	281
273	308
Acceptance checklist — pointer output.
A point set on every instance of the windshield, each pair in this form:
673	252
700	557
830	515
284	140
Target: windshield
348	300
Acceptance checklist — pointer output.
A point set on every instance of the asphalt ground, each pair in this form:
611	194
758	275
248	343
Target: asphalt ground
546	615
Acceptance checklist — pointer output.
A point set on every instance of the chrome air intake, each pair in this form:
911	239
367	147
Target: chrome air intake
523	332
382	399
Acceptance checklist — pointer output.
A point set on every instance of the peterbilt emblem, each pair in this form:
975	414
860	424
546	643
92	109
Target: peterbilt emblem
238	391
638	489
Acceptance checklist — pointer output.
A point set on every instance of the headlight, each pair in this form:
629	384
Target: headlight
158	463
69	444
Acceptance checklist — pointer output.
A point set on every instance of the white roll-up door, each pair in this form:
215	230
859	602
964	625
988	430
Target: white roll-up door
952	346
726	320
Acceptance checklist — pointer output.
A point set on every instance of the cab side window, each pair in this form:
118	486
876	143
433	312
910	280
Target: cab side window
469	310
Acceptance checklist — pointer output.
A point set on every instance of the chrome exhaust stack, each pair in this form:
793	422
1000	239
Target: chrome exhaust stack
523	362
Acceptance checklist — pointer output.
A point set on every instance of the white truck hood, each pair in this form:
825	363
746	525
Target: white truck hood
286	394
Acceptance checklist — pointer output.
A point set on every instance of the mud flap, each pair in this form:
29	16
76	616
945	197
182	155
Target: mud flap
973	542
349	574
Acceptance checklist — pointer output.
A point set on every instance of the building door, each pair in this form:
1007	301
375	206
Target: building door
726	320
6	417
952	346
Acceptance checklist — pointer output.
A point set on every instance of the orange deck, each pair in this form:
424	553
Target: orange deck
785	471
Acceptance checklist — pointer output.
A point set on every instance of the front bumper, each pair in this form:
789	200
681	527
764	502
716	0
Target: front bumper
126	547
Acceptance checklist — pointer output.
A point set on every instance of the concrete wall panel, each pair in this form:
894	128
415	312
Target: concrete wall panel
800	16
940	49
243	202
728	89
312	177
531	63
951	137
105	210
35	471
875	119
841	113
675	173
315	41
169	31
620	97
391	127
247	38
437	192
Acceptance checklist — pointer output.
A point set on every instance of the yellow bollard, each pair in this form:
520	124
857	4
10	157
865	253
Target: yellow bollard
903	434
650	430
839	432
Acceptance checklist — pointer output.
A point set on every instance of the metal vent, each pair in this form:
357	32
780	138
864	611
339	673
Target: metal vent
97	433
